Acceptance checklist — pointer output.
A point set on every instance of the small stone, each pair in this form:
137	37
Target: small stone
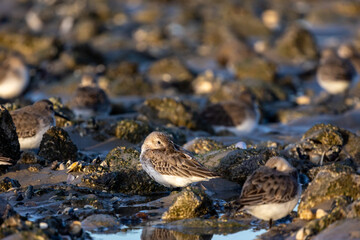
8	183
241	145
61	166
96	221
320	213
75	228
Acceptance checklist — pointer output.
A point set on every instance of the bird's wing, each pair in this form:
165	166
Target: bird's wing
26	123
225	114
267	185
176	163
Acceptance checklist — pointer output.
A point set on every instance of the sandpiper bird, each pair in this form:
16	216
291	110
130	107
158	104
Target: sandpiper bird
14	77
90	100
32	122
170	165
334	74
240	116
272	191
348	51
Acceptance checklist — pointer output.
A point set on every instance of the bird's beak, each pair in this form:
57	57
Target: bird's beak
62	116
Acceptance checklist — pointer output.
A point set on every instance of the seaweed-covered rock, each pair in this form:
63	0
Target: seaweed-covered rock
297	45
93	222
170	72
131	130
56	145
341	230
203	145
255	68
168	110
128	181
122	157
124	79
192	202
9	143
34	48
29	157
329	184
8	183
327	143
237	165
340	213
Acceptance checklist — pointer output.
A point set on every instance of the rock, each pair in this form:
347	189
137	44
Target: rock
170	72
128	181
255	68
236	165
192	202
6	210
344	229
96	221
29	157
57	145
329	143
206	83
9	143
297	45
25	235
328	185
8	183
122	157
131	130
124	79
168	110
203	145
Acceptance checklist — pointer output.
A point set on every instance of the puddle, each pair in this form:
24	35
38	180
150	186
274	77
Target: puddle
170	234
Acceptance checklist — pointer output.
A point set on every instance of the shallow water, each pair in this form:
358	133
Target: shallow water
136	234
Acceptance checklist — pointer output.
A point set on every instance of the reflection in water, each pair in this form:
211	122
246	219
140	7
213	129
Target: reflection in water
150	233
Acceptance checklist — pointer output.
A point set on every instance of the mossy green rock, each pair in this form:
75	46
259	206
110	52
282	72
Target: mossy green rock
57	145
127	181
170	71
329	184
122	157
7	183
131	130
168	110
9	143
297	45
203	145
334	142
255	68
192	202
34	49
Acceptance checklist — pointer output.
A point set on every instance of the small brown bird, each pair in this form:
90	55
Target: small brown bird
90	100
32	122
240	116
14	77
272	191
334	74
170	165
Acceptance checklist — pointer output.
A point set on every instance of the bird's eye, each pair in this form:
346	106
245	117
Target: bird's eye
274	168
159	142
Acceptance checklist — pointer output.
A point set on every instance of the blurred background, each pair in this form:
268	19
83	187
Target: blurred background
184	48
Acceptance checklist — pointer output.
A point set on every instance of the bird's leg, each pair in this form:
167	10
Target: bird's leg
270	223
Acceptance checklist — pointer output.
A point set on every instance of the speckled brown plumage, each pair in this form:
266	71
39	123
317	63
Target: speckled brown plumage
267	185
